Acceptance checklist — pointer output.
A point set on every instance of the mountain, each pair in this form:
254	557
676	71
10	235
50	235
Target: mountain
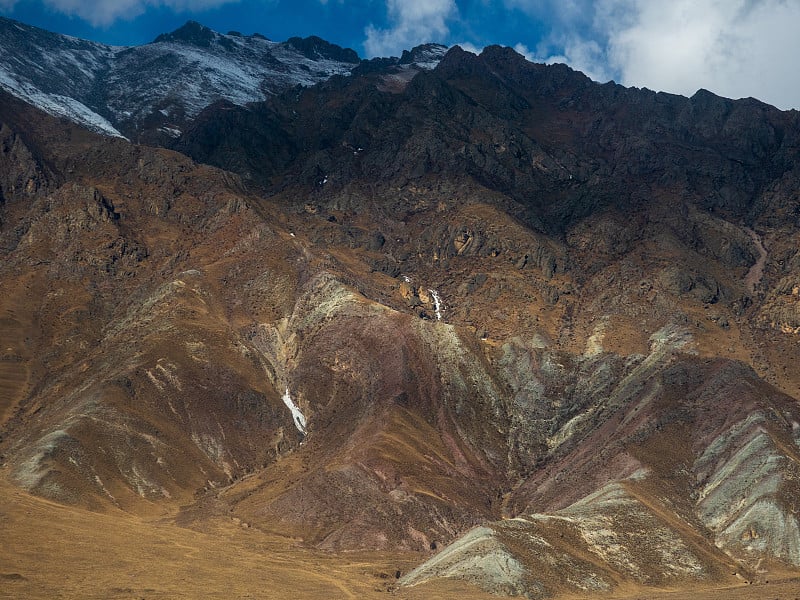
150	93
530	334
155	89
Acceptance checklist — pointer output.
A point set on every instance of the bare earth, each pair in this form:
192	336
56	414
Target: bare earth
53	551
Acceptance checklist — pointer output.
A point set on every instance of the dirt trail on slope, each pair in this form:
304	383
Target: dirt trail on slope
756	272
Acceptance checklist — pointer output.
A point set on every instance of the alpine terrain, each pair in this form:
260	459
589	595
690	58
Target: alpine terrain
280	322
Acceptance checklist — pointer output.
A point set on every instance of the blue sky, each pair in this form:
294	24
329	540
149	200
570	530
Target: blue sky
735	48
339	21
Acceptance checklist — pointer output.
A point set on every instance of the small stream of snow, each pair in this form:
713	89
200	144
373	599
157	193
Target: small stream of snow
437	304
299	418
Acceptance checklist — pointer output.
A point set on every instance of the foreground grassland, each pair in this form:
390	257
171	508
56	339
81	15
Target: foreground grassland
53	551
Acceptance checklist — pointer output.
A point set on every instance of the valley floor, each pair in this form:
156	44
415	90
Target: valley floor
54	551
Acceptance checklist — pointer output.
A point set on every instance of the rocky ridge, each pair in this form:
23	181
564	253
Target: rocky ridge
151	92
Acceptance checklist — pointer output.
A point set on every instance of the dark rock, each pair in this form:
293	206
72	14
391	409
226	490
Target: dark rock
316	48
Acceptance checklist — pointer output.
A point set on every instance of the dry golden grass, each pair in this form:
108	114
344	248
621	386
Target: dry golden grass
54	551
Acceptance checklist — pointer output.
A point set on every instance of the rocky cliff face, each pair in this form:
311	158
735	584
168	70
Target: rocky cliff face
407	303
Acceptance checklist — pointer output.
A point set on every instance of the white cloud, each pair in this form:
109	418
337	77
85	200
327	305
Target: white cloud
565	44
734	48
558	10
585	55
525	51
470	47
7	4
412	22
105	12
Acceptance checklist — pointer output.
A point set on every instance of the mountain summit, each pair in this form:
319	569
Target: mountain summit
152	92
194	34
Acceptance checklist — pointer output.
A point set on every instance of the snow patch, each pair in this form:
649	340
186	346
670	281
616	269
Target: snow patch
299	418
58	105
171	131
437	304
61	74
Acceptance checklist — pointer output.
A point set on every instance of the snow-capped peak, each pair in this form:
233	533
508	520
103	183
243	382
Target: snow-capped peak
426	56
152	92
157	86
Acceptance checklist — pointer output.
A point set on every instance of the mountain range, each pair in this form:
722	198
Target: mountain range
533	334
151	91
